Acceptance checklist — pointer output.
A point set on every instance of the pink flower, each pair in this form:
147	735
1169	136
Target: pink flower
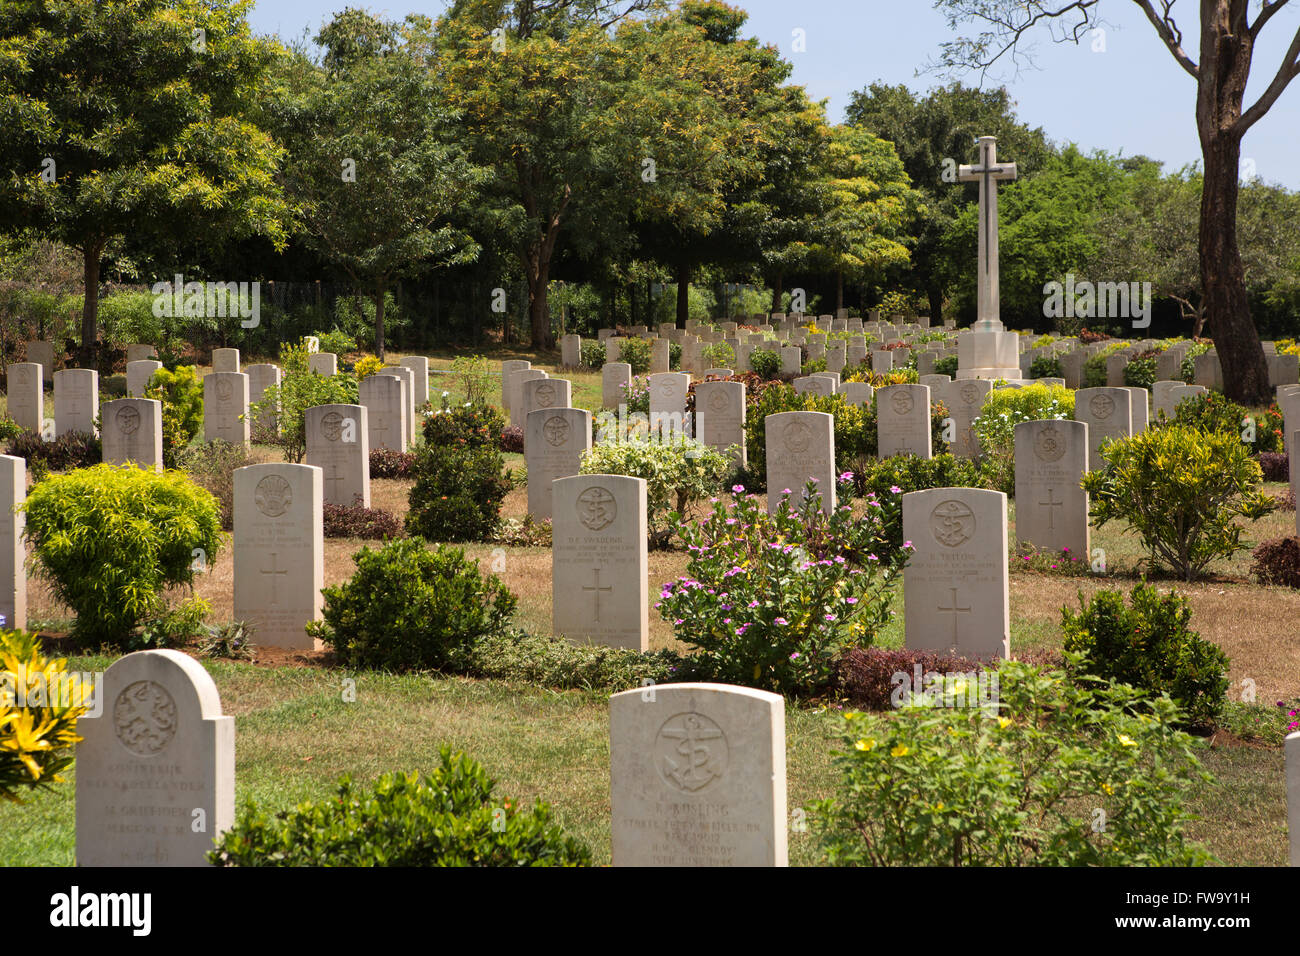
780	620
894	490
830	617
907	544
738	489
850	600
794	656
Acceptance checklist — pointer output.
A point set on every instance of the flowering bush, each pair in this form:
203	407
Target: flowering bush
1212	412
1006	408
1020	786
771	601
636	395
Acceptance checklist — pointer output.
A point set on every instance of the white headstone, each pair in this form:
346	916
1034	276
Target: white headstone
800	448
965	400
225	407
26	394
903	421
384	397
697	776
140	353
225	360
42	353
1292	749
857	393
132	432
1051	508
261	377
518	379
508	368
323	363
279	551
720	416
138	374
613	377
408	396
955	584
338	442
156	765
13	554
76	401
571	350
554	443
600	590
1108	414
419	366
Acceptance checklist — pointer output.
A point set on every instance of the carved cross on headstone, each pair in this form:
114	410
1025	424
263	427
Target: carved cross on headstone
987	174
596	589
334	478
954	611
273	572
1050	504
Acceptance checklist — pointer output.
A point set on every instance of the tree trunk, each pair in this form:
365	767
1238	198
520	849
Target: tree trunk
379	320
89	357
776	293
935	294
839	290
1226	48
537	268
683	294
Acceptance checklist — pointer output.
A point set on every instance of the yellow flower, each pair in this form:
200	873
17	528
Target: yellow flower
865	745
1127	741
1004	722
851	715
900	751
1107	789
938	806
959	687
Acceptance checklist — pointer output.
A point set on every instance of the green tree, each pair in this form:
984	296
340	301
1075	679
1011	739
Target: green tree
375	167
133	117
1227	37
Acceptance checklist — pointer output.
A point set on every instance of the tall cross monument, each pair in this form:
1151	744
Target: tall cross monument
987	174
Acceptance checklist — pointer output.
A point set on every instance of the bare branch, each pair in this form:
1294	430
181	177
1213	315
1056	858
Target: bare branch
1008	24
1265	15
1170	34
1287	72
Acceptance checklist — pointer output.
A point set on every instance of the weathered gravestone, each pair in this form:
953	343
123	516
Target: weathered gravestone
419	366
155	765
668	391
1108	413
140	353
225	407
614	378
42	353
660	355
791	360
323	363
76	401
26	395
555	441
1051	508
1292	748
814	385
1289	403
384	397
407	377
518	379
571	350
697	776
132	432
720	416
903	421
1141	409
800	448
261	377
13	575
857	393
965	400
508	368
955	593
1161	397
600	592
543	393
138	374
279	551
225	360
338	442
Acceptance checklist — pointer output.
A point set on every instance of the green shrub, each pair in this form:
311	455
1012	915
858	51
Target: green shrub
557	662
366	366
1182	491
592	354
1046	366
1147	645
409	608
301	389
181	393
1278	562
855	425
765	362
678	472
1213	413
40	702
771	601
1020	786
947	365
449	818
636	353
336	341
1140	373
674	356
1002	411
476	378
459	484
1187	369
111	539
9	429
719	355
70	450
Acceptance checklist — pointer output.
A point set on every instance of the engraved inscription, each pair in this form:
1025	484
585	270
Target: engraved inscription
273	496
144	718
952	523
691	752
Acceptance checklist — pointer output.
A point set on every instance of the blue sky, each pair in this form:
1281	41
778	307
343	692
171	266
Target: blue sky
1132	98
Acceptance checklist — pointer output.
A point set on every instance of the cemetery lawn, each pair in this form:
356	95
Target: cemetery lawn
296	736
